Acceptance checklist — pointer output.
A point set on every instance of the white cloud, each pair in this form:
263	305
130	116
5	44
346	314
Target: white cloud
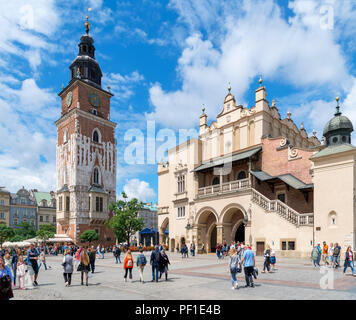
122	85
28	133
254	39
25	27
138	189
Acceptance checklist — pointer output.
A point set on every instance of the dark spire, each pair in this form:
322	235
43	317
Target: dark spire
338	113
89	69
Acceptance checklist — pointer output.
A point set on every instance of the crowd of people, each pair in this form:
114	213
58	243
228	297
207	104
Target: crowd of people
331	256
20	267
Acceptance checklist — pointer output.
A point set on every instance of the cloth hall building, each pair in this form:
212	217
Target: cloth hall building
255	177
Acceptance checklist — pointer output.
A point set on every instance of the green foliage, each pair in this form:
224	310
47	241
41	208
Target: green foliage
46	231
125	221
89	236
23	231
48	227
5	233
16	238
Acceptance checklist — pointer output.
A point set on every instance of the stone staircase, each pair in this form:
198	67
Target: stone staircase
286	212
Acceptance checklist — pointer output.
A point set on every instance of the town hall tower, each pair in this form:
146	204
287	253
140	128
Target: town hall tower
86	149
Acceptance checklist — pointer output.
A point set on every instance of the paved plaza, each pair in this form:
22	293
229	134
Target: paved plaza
202	277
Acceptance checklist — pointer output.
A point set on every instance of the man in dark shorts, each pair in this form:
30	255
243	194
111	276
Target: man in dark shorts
32	256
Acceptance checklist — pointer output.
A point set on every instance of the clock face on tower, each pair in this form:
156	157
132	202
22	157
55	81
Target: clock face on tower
94	99
69	99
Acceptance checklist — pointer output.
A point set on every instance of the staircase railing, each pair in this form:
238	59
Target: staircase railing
286	212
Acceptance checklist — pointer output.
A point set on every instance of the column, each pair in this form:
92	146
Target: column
220	233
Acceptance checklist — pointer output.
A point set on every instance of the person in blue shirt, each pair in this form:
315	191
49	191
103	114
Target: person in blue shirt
248	261
32	256
5	271
319	253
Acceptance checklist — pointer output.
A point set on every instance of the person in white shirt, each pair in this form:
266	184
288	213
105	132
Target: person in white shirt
331	255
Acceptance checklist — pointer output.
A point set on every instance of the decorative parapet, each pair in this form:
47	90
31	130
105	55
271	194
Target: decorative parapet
162	210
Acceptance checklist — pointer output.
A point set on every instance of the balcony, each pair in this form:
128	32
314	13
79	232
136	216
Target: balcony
62	216
224	188
98	217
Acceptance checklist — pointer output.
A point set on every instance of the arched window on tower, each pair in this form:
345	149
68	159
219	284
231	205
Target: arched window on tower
96	176
65	136
95	136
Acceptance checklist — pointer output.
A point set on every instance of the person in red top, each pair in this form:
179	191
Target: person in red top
128	265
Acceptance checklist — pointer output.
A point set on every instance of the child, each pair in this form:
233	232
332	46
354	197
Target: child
273	259
21	272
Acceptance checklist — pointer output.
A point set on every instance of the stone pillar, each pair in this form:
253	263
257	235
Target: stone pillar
220	233
161	237
248	234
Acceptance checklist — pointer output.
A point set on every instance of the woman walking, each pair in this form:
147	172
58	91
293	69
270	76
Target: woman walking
77	259
128	265
21	272
267	262
315	256
7	260
234	267
67	267
164	262
349	260
5	281
84	266
141	263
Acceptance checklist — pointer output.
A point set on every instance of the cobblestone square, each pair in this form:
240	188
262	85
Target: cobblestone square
202	277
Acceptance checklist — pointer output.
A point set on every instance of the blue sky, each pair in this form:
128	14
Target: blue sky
163	60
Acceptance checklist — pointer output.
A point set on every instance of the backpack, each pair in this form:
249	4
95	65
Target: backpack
336	251
129	263
157	257
142	260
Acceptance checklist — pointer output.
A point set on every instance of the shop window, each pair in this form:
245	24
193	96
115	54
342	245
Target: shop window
291	245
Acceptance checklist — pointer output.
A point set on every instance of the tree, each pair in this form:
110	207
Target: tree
45	232
25	231
125	221
5	233
89	236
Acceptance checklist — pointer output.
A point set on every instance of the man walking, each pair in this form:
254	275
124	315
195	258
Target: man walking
117	254
155	261
336	256
32	257
248	261
92	256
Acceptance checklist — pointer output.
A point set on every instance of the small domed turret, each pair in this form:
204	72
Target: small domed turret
338	129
